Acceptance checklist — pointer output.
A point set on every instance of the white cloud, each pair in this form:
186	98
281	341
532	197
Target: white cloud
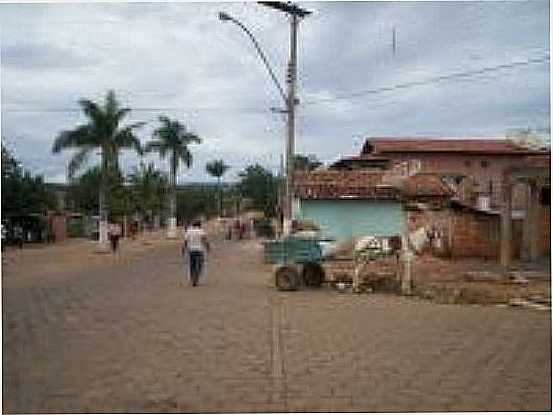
207	74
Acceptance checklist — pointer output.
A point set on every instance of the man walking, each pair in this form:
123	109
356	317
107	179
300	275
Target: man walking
195	245
114	234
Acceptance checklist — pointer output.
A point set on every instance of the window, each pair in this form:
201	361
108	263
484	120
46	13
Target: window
467	163
484	164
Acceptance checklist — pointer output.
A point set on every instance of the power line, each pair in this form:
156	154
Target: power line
242	110
457	75
374	91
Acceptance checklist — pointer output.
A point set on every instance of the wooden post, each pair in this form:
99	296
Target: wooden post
506	221
534	220
527	224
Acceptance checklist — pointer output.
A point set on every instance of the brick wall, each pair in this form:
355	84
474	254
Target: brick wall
474	235
58	227
478	235
484	172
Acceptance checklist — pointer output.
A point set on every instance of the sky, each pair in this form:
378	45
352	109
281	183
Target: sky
458	69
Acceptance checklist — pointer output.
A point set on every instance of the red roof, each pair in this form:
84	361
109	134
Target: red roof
332	184
425	184
383	145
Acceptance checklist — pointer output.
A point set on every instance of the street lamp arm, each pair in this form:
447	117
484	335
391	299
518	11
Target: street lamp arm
261	54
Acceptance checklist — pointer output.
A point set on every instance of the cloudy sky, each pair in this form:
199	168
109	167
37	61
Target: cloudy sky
178	59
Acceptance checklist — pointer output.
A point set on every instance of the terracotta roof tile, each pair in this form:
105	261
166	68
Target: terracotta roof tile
425	185
334	184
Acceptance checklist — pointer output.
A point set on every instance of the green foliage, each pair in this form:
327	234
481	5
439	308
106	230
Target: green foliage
172	138
216	168
149	187
22	192
103	131
196	202
259	185
83	191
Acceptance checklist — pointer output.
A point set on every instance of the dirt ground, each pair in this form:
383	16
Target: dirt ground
87	332
475	281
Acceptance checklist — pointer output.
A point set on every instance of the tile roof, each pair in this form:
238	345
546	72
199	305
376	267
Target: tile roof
383	145
335	184
425	184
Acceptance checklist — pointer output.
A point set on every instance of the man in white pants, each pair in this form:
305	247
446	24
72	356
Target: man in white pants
196	243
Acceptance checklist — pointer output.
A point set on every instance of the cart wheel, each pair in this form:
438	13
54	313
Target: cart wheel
287	279
313	275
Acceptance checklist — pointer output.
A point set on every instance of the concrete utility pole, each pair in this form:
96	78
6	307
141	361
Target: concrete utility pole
296	13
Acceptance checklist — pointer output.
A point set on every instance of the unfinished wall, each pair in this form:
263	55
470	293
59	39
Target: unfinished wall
484	172
478	235
465	234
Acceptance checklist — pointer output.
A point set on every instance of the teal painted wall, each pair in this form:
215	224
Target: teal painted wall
345	218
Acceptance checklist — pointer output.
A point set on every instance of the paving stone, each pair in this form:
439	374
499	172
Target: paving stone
121	336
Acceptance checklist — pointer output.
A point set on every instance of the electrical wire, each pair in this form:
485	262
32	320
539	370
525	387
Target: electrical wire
353	95
429	81
139	109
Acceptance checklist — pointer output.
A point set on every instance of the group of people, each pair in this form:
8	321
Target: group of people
239	229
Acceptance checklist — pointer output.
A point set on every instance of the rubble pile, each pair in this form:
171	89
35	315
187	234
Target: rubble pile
379	275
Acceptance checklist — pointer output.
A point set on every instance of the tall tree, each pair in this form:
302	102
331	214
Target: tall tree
149	186
22	192
172	139
218	168
259	185
102	131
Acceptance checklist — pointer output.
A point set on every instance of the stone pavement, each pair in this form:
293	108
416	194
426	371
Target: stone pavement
117	335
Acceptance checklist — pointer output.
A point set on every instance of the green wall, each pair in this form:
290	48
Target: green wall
344	218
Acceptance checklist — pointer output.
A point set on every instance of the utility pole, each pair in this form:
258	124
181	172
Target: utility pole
296	13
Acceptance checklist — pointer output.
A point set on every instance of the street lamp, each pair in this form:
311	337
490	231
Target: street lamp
225	17
290	100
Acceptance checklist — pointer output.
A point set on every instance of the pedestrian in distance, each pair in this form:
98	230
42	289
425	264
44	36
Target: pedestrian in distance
194	250
18	235
114	235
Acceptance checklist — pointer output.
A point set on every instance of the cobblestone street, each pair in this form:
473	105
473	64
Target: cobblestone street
112	334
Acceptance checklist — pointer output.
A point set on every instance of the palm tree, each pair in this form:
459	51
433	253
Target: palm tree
217	168
173	139
102	131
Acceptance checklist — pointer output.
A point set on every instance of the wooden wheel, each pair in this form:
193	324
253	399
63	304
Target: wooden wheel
313	274
287	278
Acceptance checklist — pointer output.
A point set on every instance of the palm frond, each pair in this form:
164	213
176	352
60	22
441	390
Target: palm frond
186	157
93	111
80	136
121	113
125	138
190	138
78	160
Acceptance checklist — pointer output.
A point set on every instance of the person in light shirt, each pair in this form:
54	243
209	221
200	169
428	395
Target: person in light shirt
195	245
